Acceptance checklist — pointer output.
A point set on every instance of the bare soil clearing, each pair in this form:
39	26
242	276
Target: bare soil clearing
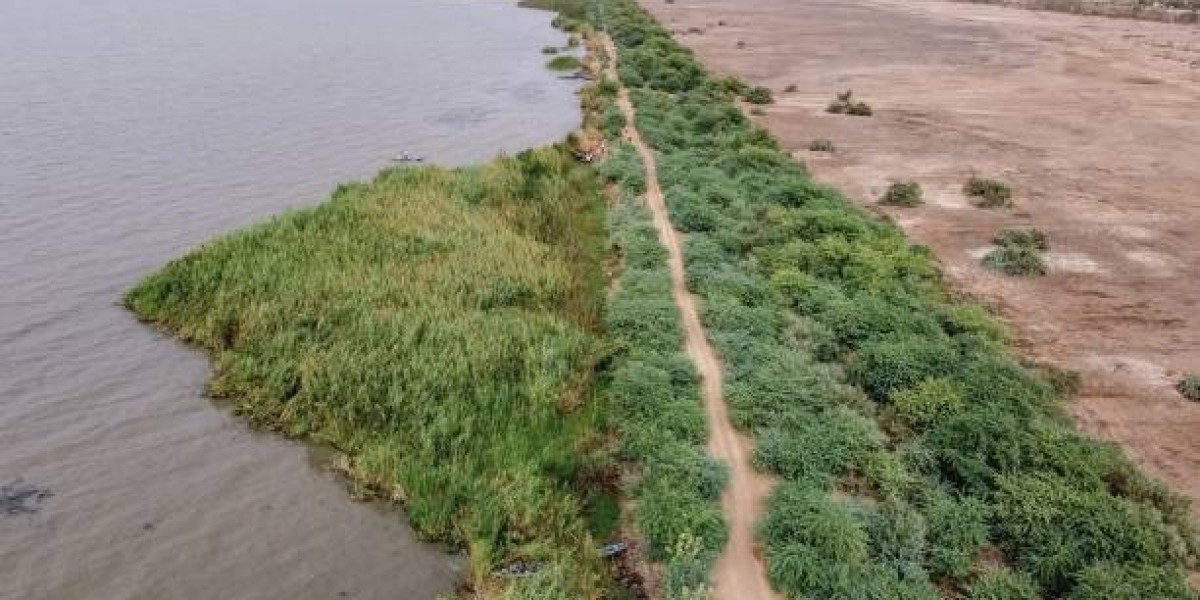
738	574
1093	121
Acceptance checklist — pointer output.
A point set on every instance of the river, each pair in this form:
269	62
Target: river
134	130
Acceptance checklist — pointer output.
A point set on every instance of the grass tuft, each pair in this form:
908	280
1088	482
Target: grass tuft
1189	387
902	193
988	193
845	104
821	145
758	95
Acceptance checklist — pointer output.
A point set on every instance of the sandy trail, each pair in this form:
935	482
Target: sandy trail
738	574
1091	120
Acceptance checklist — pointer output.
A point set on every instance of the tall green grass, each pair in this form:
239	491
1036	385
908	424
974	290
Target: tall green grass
918	458
441	328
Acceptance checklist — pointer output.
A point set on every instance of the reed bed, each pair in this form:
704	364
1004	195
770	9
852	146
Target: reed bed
441	328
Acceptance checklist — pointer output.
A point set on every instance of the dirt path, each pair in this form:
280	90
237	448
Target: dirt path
1090	119
738	574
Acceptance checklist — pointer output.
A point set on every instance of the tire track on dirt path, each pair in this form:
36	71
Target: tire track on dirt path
738	574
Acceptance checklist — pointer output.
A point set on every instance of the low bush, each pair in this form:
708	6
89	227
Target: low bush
1105	581
988	193
957	532
1189	387
928	403
859	109
845	104
1032	238
821	145
758	95
902	193
1056	532
1003	584
1018	261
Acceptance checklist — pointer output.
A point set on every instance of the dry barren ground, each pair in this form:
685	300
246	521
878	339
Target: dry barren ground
1094	122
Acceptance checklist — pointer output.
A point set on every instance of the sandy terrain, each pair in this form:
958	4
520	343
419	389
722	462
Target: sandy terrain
1093	121
738	574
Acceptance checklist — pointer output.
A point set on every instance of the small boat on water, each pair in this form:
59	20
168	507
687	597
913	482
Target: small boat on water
406	157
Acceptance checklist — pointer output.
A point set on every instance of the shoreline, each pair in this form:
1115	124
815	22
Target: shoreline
857	414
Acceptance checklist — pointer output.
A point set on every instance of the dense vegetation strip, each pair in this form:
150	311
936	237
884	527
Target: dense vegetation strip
919	459
656	404
673	484
441	328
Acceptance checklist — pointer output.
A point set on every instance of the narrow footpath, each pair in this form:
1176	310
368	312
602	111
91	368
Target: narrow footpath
739	574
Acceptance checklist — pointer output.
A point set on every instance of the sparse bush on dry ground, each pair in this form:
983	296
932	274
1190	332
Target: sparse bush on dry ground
845	104
988	193
1019	252
1171	11
821	145
758	95
757	111
909	442
1189	387
902	193
1034	238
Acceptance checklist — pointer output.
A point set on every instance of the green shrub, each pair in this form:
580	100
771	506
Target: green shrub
845	104
758	95
1004	585
988	193
957	533
612	121
608	88
902	193
931	401
1105	581
687	570
1055	531
825	445
886	367
1189	387
564	63
1031	238
730	85
1017	261
821	145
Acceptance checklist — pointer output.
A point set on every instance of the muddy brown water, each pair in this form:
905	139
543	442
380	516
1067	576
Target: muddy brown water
134	130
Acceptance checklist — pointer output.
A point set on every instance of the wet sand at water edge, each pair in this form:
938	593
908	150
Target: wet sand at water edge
1091	120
